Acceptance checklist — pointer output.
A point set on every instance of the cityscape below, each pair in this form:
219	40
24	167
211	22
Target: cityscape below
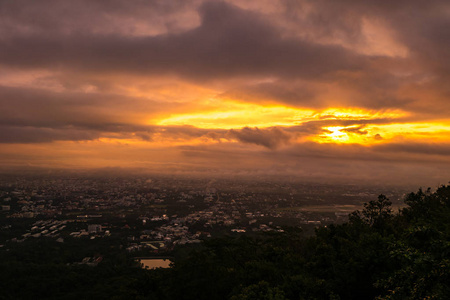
156	213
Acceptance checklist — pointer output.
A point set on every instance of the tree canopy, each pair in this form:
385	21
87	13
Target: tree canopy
377	254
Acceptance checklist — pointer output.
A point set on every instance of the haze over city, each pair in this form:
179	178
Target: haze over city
348	90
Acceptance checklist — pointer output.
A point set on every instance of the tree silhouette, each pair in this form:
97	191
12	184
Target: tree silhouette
377	212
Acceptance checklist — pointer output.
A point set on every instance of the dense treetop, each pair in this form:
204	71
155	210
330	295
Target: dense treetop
378	254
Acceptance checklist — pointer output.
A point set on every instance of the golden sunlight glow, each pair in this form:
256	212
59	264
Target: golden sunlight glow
433	131
238	115
345	135
337	135
241	115
372	134
359	114
235	115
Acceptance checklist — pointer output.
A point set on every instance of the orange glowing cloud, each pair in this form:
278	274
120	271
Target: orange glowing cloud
213	84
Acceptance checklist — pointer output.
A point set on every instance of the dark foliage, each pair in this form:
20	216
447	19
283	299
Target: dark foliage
378	254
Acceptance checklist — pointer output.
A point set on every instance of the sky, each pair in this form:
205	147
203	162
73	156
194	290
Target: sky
350	90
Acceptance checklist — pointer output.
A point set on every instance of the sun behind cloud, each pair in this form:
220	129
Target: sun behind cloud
335	125
220	83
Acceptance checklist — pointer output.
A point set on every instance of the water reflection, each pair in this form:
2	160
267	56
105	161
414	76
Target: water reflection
153	263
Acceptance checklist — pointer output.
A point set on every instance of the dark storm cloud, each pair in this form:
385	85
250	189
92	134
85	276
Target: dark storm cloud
372	90
285	91
222	40
423	26
319	54
95	16
42	108
419	27
37	134
24	135
229	42
39	116
270	138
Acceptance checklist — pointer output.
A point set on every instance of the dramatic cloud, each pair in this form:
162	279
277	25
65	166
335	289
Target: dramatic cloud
229	42
270	138
313	88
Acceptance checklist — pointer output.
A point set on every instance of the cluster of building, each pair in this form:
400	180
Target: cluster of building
45	228
164	212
